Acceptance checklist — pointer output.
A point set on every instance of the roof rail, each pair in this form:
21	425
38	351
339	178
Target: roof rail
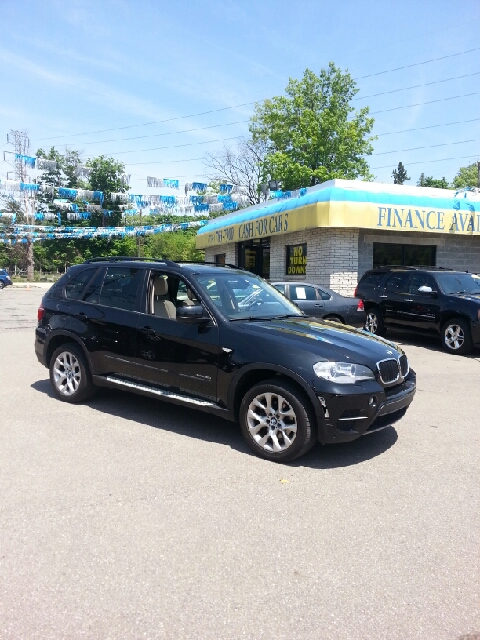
129	259
215	264
413	267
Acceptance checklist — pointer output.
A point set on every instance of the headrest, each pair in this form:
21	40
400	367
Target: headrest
160	286
190	294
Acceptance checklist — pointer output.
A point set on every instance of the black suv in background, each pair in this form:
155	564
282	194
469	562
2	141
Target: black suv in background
426	299
224	341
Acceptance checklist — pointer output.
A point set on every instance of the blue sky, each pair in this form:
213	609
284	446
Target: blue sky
81	67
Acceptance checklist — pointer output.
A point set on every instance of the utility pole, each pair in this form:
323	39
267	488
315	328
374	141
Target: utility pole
478	179
21	145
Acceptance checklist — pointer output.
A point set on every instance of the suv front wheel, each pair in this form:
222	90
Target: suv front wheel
70	375
456	336
277	421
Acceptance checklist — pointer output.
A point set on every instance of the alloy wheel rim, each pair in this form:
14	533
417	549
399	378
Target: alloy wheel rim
272	422
454	337
371	323
67	374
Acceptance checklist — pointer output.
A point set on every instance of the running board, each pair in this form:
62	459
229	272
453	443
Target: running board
138	387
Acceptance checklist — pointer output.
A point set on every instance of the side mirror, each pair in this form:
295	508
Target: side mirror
192	315
427	290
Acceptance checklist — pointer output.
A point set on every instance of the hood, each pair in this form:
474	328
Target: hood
473	297
327	340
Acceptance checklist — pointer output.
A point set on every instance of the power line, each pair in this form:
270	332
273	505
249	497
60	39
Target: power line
167	133
443	144
418	104
245	104
387	166
417	64
237	137
176	146
430	126
416	86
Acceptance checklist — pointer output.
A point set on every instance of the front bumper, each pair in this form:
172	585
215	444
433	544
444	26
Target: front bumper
349	416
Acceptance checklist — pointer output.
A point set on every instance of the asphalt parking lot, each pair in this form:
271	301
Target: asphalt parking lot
128	518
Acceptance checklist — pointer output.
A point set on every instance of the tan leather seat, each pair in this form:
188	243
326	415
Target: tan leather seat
162	308
191	301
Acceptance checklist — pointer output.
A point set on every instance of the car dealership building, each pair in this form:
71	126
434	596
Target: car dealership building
332	233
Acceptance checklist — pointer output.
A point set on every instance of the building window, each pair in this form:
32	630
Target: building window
220	259
403	255
254	256
296	260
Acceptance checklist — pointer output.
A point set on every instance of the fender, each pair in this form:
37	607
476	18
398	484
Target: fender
288	373
73	338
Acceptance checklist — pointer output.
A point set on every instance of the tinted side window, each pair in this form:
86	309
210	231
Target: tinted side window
92	292
280	287
398	282
421	280
324	295
301	292
372	279
74	287
120	287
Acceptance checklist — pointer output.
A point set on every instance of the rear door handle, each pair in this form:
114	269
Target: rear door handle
408	300
383	296
318	304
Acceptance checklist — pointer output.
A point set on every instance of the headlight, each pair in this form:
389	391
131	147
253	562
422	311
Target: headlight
343	372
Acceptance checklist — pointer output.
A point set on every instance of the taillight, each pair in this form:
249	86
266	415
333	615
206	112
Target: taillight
360	306
40	313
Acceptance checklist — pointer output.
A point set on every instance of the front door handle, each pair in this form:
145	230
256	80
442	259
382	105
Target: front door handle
408	300
147	331
383	296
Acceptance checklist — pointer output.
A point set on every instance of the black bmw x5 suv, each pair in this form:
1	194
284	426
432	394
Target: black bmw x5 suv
224	341
424	299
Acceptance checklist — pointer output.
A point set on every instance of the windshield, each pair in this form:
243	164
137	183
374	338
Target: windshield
458	283
241	296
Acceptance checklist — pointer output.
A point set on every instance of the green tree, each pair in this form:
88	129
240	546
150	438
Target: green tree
313	133
430	181
106	176
400	174
175	245
467	177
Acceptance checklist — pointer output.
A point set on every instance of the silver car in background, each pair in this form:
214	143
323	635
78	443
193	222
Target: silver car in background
321	302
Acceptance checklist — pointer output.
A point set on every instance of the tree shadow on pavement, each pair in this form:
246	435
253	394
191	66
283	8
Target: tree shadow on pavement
427	341
203	426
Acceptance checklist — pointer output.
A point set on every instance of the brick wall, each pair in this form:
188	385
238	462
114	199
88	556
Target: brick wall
230	251
332	257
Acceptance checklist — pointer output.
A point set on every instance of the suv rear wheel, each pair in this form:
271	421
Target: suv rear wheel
456	336
2	284
69	374
277	421
374	321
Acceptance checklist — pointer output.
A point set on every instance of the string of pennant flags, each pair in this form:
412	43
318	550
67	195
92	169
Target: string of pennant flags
32	233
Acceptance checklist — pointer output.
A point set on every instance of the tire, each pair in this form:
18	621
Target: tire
70	375
2	284
260	419
457	337
374	322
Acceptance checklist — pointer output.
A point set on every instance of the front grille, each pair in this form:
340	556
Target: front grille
389	371
404	366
